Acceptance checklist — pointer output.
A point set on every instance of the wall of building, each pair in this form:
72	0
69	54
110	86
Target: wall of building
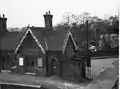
67	72
30	51
67	69
73	70
58	57
6	60
70	49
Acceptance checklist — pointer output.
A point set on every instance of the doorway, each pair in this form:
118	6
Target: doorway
3	63
30	65
55	67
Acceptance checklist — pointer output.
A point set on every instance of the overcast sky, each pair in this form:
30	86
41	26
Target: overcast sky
23	12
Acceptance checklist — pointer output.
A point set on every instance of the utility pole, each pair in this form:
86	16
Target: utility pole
87	53
87	40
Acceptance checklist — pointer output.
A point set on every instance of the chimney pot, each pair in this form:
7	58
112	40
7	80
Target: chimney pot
3	15
3	20
49	12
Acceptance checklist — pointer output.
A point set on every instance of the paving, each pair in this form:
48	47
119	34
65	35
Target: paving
34	81
100	65
105	79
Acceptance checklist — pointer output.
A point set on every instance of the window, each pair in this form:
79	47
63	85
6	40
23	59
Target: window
32	63
4	26
40	64
21	61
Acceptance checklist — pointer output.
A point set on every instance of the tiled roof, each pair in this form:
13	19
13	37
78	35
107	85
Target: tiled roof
40	33
10	40
56	40
78	32
50	40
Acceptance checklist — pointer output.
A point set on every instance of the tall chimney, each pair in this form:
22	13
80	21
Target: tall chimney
3	25
48	20
3	21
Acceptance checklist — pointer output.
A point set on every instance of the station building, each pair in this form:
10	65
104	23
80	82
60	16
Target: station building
41	51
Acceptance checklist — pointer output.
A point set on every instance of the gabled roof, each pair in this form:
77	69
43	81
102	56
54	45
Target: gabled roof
10	40
33	35
49	40
78	32
55	40
68	36
40	33
80	42
79	35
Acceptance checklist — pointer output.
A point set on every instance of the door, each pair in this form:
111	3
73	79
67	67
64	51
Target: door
54	68
30	65
3	63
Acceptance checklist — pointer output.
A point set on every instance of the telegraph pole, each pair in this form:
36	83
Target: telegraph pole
87	40
87	53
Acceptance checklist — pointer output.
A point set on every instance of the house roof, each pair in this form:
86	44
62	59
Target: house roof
50	40
10	40
78	32
39	33
80	42
55	40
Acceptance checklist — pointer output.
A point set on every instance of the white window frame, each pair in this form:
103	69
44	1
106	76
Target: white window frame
21	61
40	62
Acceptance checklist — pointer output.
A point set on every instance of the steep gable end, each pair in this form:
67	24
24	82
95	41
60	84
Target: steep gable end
70	48
32	39
28	42
69	41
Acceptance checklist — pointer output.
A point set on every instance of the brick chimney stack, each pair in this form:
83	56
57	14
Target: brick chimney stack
48	20
3	25
3	21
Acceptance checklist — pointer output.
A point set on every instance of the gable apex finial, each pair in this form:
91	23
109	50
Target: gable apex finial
28	25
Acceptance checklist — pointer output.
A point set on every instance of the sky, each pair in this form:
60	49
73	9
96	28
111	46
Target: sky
23	12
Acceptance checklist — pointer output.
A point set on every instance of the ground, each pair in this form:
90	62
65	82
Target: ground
37	81
99	63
